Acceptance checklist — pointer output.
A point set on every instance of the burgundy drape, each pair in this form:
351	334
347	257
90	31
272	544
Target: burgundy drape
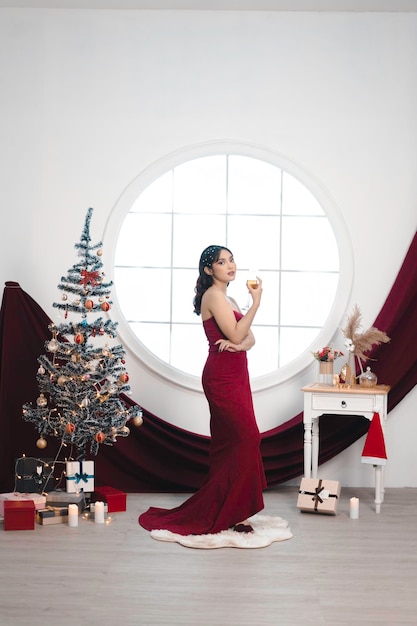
161	457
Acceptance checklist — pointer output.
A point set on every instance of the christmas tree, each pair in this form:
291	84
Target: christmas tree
82	376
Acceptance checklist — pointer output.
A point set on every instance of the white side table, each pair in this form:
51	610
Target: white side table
341	400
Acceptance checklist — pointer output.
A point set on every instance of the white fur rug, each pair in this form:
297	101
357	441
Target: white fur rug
266	531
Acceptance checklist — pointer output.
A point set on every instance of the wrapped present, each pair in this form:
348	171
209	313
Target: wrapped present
38	499
52	515
62	499
318	496
19	515
33	476
116	500
80	476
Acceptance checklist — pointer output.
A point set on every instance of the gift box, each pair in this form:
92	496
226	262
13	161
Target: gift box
318	496
19	515
80	476
33	476
52	515
38	499
116	500
62	499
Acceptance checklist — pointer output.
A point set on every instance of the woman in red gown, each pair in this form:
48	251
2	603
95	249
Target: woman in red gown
233	489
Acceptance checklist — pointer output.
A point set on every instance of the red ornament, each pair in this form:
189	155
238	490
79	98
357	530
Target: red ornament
69	428
124	378
105	306
100	437
79	338
89	304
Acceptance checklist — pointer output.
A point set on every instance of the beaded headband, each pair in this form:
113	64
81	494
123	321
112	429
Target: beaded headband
209	255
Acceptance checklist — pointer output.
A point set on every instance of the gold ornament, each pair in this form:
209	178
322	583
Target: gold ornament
137	420
99	252
41	443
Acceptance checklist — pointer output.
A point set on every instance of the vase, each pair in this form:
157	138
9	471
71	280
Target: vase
348	372
326	372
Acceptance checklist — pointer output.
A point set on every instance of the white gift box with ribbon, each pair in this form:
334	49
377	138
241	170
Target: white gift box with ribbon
80	476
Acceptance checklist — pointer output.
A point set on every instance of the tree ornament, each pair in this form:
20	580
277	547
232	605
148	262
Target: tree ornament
62	380
64	297
89	304
41	401
138	420
100	437
69	428
124	378
85	402
41	370
105	306
41	443
99	252
79	338
125	430
53	345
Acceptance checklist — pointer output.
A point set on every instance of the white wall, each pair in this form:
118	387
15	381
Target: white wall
92	98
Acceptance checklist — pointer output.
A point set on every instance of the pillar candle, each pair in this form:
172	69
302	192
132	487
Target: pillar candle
72	515
354	508
99	512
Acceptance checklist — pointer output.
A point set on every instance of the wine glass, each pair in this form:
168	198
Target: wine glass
252	280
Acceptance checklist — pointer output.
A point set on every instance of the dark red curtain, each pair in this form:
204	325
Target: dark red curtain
161	457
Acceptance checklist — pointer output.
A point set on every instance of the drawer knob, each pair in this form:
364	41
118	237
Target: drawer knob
344	404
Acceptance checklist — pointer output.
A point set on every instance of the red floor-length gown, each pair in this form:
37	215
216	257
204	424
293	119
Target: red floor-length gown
233	489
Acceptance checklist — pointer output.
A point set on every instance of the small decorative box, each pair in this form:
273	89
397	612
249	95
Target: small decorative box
33	476
62	499
80	476
19	515
38	500
116	500
52	515
318	496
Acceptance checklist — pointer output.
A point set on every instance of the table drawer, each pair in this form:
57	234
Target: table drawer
346	403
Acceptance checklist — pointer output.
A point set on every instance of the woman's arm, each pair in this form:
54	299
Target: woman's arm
243	346
216	303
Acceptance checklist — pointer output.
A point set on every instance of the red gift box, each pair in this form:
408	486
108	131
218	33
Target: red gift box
19	515
116	500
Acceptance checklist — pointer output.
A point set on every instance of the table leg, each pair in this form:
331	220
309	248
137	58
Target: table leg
307	450
378	488
315	448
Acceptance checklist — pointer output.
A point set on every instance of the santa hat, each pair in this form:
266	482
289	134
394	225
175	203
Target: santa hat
374	451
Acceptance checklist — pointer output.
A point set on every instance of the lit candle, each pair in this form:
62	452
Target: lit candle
354	508
72	515
99	512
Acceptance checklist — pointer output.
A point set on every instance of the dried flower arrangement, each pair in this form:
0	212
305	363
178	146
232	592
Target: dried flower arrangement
359	343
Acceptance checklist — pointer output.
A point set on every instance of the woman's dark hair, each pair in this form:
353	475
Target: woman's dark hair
209	256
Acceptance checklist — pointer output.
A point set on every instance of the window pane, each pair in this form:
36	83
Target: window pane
183	283
307	298
200	186
308	244
263	357
144	240
144	294
193	233
297	199
254	241
254	186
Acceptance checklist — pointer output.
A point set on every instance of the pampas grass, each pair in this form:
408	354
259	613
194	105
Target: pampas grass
362	342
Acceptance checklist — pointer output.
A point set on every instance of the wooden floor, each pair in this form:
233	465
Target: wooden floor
334	571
